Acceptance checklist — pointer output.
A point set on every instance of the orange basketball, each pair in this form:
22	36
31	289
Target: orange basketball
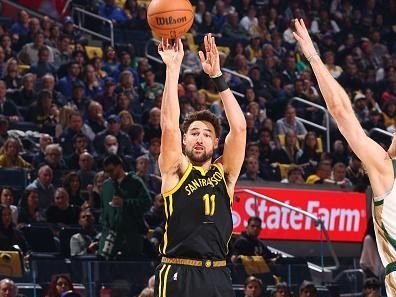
170	18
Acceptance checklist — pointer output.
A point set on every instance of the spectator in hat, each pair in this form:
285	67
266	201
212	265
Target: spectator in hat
360	107
78	98
113	128
307	289
69	30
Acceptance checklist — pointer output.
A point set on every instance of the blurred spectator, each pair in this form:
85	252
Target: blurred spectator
136	133
29	54
42	66
338	175
9	236
43	186
125	199
152	129
371	287
153	154
322	174
233	29
356	173
92	83
78	98
95	190
44	141
329	60
72	185
54	159
80	145
114	129
126	121
4	125
65	84
25	96
69	30
150	88
307	289
85	242
59	285
11	76
310	156
86	172
40	111
110	61
21	26
340	153
251	170
370	260
110	11
10	155
281	290
48	82
152	181
125	65
8	51
8	107
290	122
389	112
249	243
95	117
7	199
253	287
295	175
360	107
61	212
289	152
75	126
107	98
8	288
62	51
155	217
29	209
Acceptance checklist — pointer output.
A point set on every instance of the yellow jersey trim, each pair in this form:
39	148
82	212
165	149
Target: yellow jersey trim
161	279
166	227
165	281
201	170
181	181
225	183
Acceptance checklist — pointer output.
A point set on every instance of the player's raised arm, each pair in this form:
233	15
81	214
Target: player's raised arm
171	150
339	105
235	142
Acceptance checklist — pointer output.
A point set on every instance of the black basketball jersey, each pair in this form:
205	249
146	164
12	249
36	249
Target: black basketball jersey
198	216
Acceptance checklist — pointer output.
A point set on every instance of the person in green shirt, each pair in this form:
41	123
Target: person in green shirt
124	199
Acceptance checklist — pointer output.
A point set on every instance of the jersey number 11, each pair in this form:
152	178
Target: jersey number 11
210	204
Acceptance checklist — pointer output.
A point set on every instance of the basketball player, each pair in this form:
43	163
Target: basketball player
379	164
197	191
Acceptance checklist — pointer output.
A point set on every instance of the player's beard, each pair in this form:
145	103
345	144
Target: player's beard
198	160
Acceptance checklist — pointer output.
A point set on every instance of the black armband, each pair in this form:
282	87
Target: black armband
220	83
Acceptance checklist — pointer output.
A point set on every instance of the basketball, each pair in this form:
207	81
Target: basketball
170	18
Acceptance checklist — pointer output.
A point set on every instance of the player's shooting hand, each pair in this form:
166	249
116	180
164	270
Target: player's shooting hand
210	60
304	40
171	53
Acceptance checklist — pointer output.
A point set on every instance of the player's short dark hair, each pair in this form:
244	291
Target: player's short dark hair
255	219
112	160
202	115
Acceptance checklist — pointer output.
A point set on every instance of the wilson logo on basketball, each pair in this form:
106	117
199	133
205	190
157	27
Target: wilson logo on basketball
170	20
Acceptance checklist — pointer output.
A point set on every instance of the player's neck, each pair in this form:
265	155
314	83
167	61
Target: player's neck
205	165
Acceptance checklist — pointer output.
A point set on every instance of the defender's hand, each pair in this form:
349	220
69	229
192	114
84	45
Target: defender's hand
210	64
171	54
302	36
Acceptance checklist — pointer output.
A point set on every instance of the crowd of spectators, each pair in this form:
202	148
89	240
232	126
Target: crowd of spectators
86	107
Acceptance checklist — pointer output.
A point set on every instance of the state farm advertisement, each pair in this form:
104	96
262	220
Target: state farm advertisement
344	213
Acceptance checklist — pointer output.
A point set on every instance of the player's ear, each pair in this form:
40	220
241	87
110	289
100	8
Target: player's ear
216	143
184	138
